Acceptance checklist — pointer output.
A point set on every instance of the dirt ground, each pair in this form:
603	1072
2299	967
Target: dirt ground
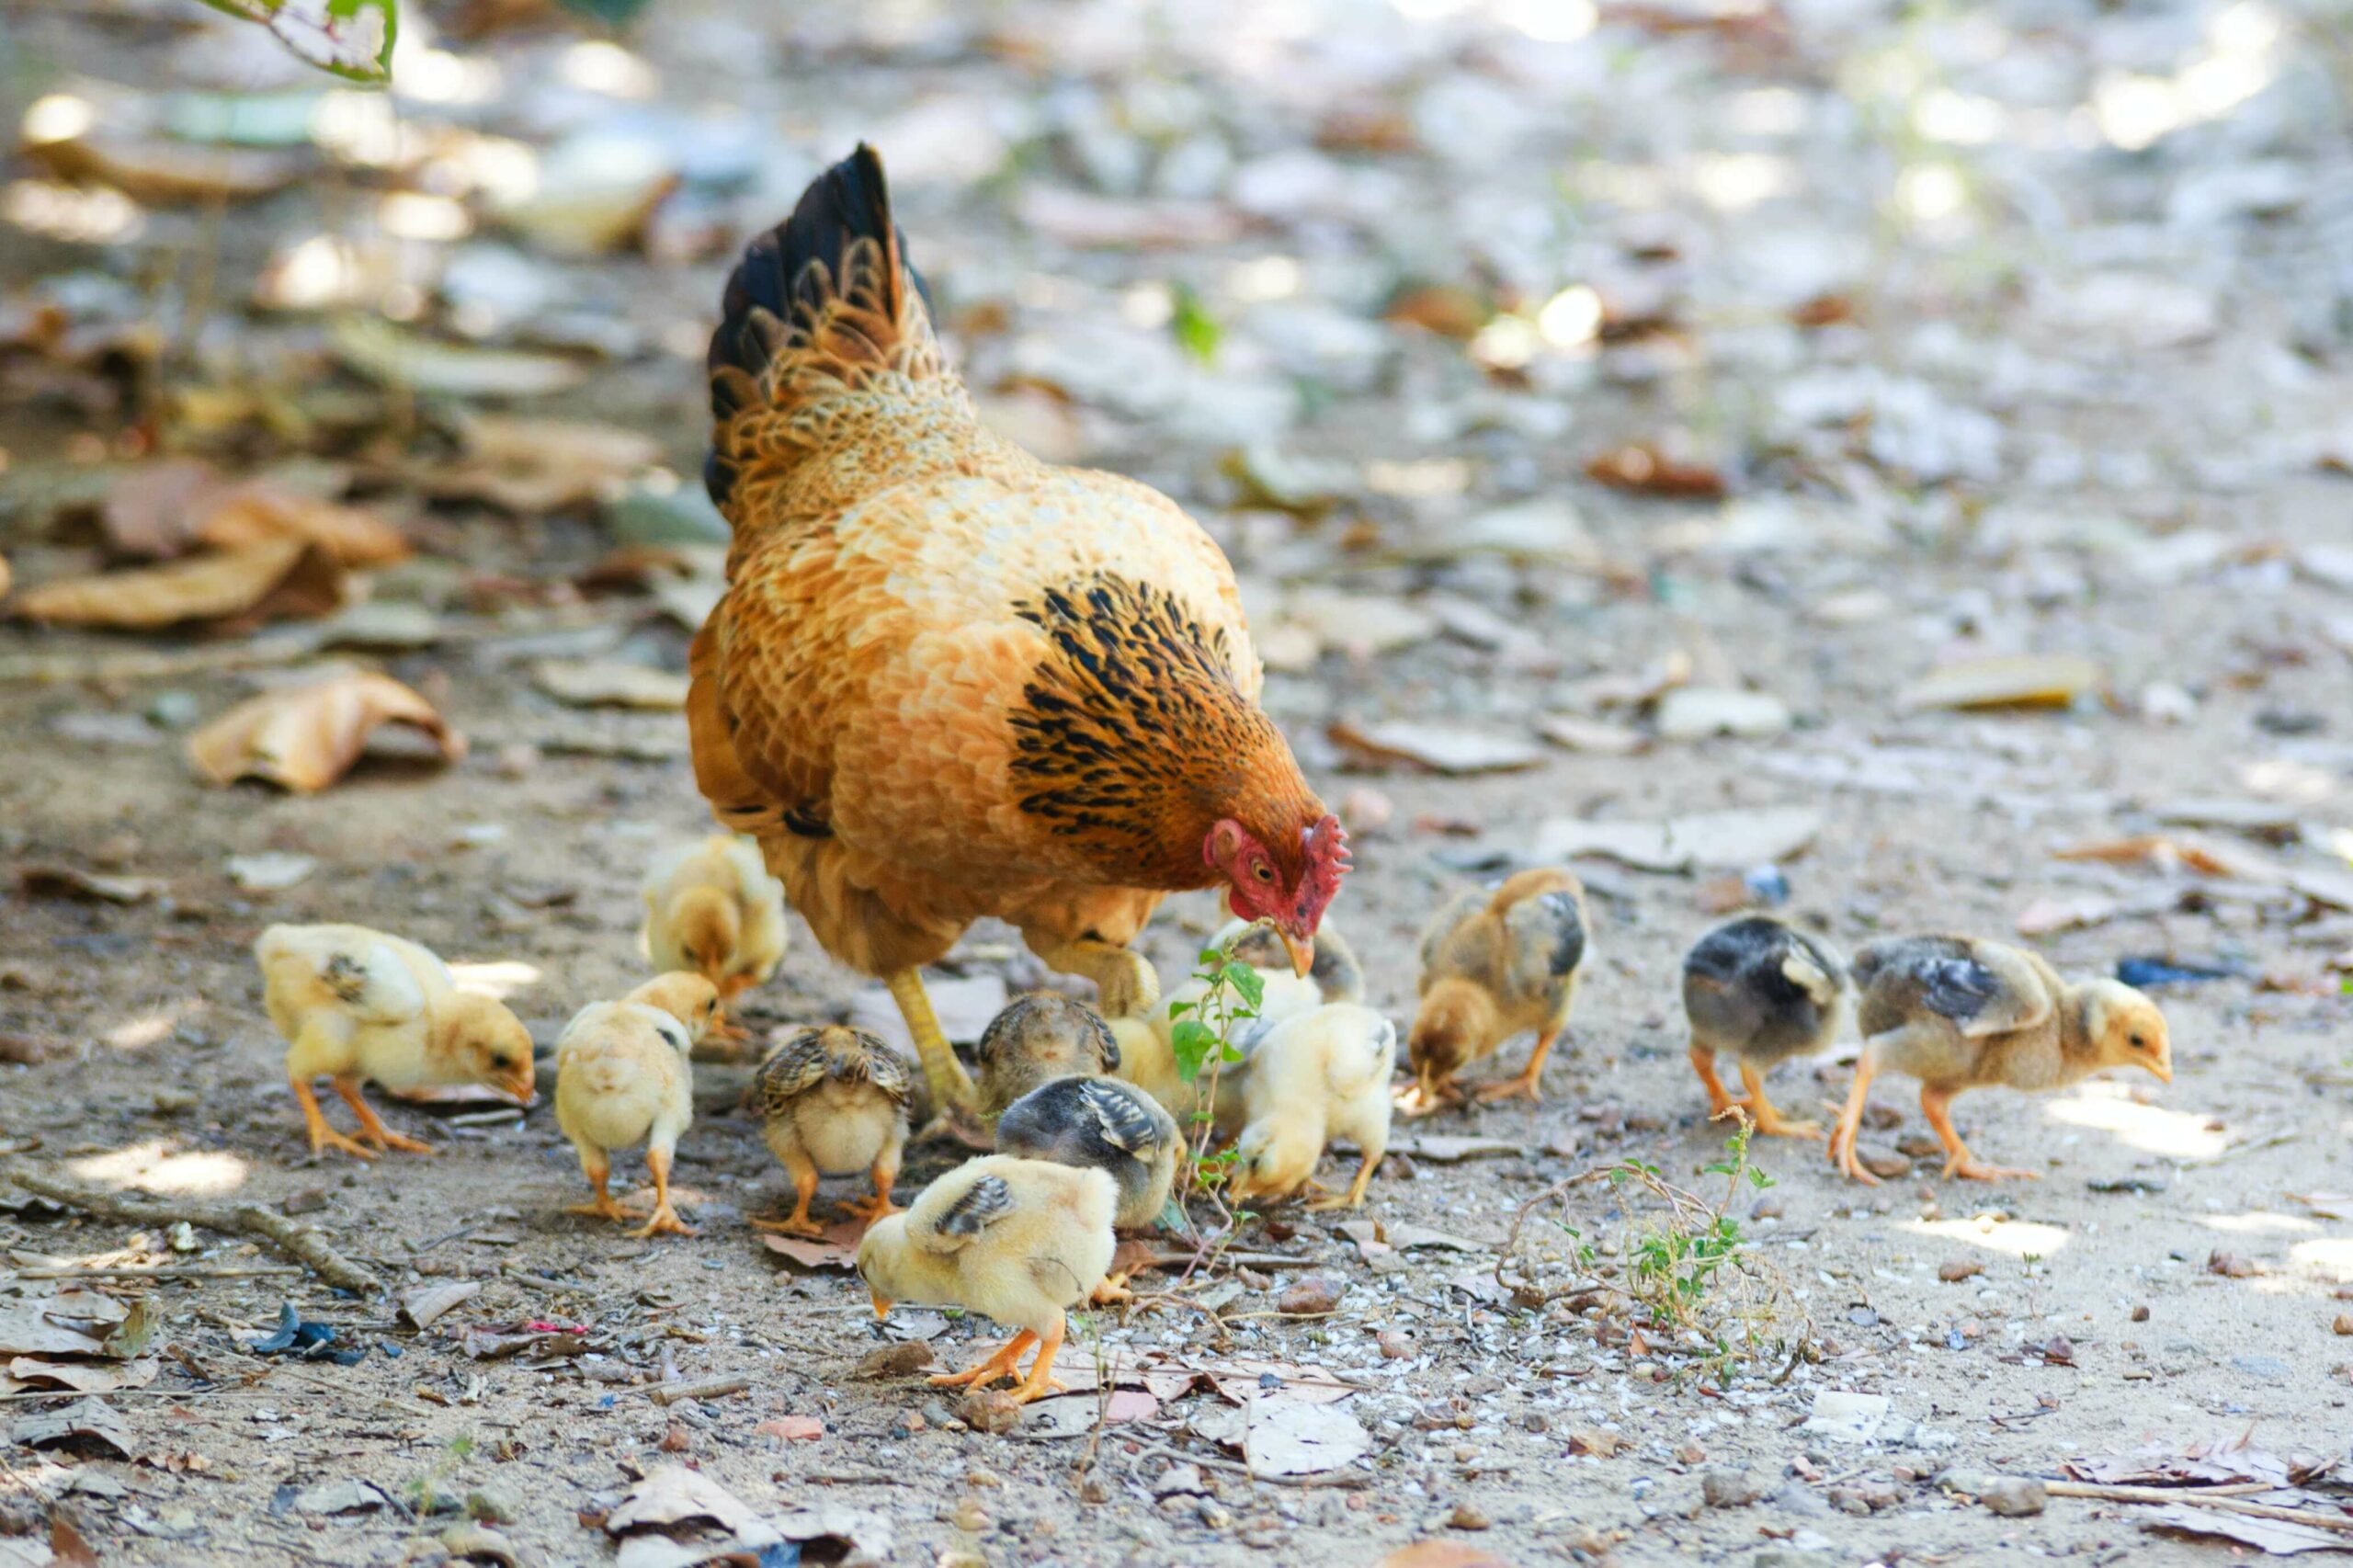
2002	336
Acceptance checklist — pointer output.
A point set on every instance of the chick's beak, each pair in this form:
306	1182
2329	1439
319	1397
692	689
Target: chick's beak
2163	1068
881	1306
515	1085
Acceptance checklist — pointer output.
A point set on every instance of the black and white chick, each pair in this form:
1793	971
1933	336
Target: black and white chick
1762	993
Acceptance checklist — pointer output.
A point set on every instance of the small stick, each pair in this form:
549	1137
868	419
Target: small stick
699	1388
1342	1483
854	1477
300	1243
158	1271
2202	1497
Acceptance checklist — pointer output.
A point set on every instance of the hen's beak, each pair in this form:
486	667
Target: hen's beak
881	1306
1302	950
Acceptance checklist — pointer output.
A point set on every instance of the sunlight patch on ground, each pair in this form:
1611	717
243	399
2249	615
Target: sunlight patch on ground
495	977
158	1166
2258	1223
2329	1256
2013	1238
2109	1107
151	1028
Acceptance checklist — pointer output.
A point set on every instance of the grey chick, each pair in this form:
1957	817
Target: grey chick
833	1101
1040	1037
1100	1124
1764	992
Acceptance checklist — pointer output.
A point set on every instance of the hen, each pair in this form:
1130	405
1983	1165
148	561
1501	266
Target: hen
947	680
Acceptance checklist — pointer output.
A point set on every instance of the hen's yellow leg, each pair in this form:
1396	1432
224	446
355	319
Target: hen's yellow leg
322	1135
1128	981
1936	1106
664	1219
1041	1381
951	1087
1527	1083
1851	1123
599	1169
1001	1363
371	1127
1769	1121
803	1172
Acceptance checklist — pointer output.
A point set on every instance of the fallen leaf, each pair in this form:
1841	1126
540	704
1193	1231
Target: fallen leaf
2029	680
1647	469
71	882
85	1420
82	1377
1405	1236
671	1495
1441	748
1592	736
895	1361
395	356
1288	1437
304	738
241	514
161	172
231	590
811	1253
1244	1379
1597	1441
67	1549
1441	1554
422	1305
330	1497
531	466
271	872
1076	1415
792	1429
964	1009
1699	712
71	1322
610	683
1705	840
2068	912
2274	1537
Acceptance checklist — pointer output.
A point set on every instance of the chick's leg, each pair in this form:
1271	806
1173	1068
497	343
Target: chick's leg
322	1135
803	1172
1000	1363
1769	1121
951	1087
1936	1106
1850	1122
598	1166
1527	1083
1354	1197
664	1219
371	1127
1719	1100
1128	981
886	1176
1041	1381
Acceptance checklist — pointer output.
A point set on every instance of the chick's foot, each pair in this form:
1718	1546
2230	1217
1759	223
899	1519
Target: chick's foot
665	1223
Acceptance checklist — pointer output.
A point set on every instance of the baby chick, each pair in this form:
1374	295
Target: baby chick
711	908
356	1004
1764	992
1336	975
1956	1014
833	1101
622	1076
1015	1240
1314	1077
1105	1124
1037	1038
1493	965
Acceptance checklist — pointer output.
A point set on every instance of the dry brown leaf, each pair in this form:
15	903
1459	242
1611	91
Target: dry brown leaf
540	465
166	174
6	580
233	591
1439	748
610	683
308	737
149	513
257	510
1647	469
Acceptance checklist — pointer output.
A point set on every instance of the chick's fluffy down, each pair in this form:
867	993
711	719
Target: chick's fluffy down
1015	1240
1102	1124
1314	1078
623	1077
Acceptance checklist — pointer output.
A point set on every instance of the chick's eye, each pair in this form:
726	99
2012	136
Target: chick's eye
2138	1043
499	1060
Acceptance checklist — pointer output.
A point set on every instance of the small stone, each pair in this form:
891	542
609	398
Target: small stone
992	1410
982	1476
2140	1314
2012	1496
676	1441
1394	1347
1953	1270
1882	1161
895	1361
1918	1146
1093	1489
2230	1265
519	760
1848	1500
309	1201
1727	1488
1597	1441
1691	1454
493	1504
1179	1481
970	1515
2344	1324
1310	1298
1768	1206
1467	1517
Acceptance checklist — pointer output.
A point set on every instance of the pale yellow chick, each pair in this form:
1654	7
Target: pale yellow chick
712	909
623	1077
1494	965
358	1006
1317	1077
1017	1241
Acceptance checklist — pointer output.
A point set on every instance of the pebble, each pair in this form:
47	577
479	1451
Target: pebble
1727	1488
1394	1347
1310	1297
896	1360
2013	1496
1882	1161
1952	1271
310	1200
2344	1322
990	1410
1467	1517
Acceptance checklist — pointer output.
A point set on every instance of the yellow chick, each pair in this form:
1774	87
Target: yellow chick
1957	1013
833	1101
1037	1038
712	909
1335	975
1017	1241
1494	965
358	1006
1314	1077
622	1076
1764	992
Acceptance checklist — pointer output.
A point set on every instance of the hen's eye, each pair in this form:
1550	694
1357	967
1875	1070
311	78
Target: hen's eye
1263	871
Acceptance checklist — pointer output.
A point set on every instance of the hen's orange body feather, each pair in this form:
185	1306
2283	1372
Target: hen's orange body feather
949	680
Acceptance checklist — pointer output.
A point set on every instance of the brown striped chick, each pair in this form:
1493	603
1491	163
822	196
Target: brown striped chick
1957	1014
623	1076
1494	965
833	1101
1105	1125
355	1006
1017	1241
1758	991
1148	1045
1037	1038
711	908
1315	1077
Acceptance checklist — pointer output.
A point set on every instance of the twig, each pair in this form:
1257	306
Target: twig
2200	1497
698	1388
854	1477
1240	1259
158	1271
1341	1483
300	1243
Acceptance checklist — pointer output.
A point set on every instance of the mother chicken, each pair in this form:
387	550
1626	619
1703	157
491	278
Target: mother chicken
947	680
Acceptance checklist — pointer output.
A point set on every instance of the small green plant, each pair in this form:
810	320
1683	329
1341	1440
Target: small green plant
353	39
424	1492
1197	332
1202	1036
